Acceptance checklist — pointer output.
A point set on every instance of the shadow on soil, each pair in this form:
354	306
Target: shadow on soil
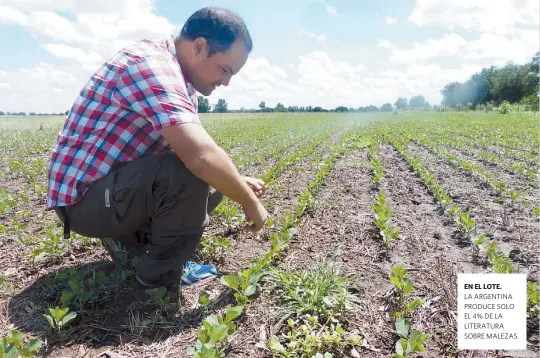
115	314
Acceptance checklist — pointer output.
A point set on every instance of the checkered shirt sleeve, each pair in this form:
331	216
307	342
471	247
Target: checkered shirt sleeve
154	87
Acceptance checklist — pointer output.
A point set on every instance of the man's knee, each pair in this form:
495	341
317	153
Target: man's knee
182	193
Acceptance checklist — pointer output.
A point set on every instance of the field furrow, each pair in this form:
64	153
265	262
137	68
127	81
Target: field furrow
428	246
514	230
361	206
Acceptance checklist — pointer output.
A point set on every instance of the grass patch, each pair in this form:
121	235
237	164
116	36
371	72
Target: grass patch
315	302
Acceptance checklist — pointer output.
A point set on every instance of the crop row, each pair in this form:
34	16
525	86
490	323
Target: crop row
245	285
499	262
381	210
499	188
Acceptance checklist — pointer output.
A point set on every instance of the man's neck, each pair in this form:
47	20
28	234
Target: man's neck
181	47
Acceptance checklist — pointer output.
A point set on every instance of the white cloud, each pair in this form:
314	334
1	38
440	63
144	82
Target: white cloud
77	54
316	79
100	24
96	30
502	33
31	89
448	45
385	44
11	16
507	17
311	35
82	41
417	79
490	49
497	50
390	20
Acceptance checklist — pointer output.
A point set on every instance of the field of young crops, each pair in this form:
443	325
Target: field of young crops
373	217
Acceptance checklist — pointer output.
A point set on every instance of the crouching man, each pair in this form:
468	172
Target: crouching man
134	166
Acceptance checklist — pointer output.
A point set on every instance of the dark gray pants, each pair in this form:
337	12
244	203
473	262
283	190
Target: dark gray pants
155	207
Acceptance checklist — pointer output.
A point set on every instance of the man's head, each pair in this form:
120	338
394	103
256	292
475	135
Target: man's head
213	45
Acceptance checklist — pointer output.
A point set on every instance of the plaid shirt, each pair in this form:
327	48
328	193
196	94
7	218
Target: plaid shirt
117	116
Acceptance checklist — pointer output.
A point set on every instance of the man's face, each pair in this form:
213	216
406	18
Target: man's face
207	73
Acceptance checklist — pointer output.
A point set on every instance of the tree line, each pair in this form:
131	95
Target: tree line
402	103
2	113
492	86
489	88
484	90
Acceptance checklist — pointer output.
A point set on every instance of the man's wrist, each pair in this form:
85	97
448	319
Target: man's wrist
250	197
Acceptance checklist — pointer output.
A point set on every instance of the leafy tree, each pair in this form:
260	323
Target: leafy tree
221	106
204	104
262	105
450	94
342	109
479	86
512	83
387	107
280	108
370	108
401	103
508	83
418	101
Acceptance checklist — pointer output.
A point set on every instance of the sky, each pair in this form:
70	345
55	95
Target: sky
324	53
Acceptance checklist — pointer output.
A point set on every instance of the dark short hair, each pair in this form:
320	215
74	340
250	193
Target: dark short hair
220	27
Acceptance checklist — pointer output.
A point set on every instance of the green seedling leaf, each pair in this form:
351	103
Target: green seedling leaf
275	345
15	337
161	291
74	284
241	299
50	320
86	296
402	327
414	304
250	290
416	341
401	347
31	348
204	300
58	313
233	313
212	320
293	231
68	318
255	277
231	281
66	297
218	333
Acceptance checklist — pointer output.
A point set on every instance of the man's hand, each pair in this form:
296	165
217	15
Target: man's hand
256	213
256	185
205	159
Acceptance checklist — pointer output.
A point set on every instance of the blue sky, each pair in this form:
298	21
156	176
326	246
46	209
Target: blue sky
306	52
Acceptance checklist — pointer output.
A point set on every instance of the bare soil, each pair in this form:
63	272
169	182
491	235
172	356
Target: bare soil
340	229
121	319
515	231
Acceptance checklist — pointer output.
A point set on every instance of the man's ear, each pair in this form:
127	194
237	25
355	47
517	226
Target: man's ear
200	46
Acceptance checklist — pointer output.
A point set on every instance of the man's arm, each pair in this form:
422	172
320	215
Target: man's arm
152	87
205	159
